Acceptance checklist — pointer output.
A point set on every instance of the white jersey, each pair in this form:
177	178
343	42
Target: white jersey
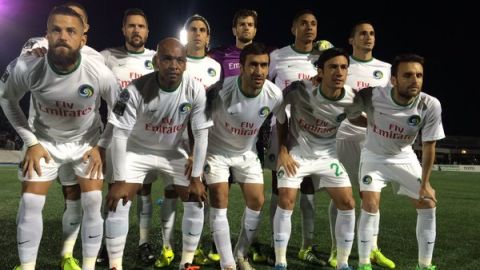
288	65
157	117
204	69
238	118
126	65
65	104
363	74
314	118
392	128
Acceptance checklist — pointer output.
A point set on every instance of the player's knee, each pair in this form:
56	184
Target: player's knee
286	203
256	203
370	206
145	190
71	192
426	204
346	204
218	199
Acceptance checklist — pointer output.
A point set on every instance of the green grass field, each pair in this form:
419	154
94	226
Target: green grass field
457	245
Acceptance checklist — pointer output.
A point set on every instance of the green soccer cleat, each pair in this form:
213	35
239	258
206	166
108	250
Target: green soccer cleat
199	257
332	260
69	263
431	267
165	258
376	257
307	255
257	255
17	267
365	267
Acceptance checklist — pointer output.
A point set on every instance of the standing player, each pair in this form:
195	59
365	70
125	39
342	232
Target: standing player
309	150
149	118
240	105
66	87
288	64
129	62
395	116
364	71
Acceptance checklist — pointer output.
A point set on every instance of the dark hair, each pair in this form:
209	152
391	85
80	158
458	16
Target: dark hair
329	54
134	11
357	24
254	48
300	14
242	13
78	5
64	10
197	17
404	58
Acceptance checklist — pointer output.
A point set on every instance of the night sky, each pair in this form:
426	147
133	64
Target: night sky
446	38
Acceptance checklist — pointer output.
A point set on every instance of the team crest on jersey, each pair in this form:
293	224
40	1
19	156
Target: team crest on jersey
341	117
5	76
367	179
211	72
29	44
185	108
124	95
264	111
280	173
414	120
378	74
85	91
148	64
206	169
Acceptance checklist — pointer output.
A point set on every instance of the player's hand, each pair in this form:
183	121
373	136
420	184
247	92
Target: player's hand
116	193
38	52
31	161
196	190
427	193
188	167
286	161
95	157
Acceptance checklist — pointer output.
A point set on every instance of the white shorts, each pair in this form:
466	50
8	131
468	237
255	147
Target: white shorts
325	172
245	169
348	152
63	154
406	178
66	175
150	178
170	165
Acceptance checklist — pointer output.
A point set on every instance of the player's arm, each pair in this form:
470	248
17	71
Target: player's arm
196	188
428	157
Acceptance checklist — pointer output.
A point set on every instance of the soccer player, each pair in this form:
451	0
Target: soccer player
364	71
288	64
66	87
129	62
307	148
396	114
207	71
244	28
239	106
149	118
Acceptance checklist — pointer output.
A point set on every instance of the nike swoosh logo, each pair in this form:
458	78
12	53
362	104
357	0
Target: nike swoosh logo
364	241
430	243
189	233
278	240
94	236
252	230
74	223
348	241
109	237
21	243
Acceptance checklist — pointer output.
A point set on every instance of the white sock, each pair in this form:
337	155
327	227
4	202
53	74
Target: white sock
116	233
144	214
376	229
282	228
92	223
332	218
344	233
221	236
192	227
426	233
365	234
27	266
250	221
89	263
72	218
169	208
273	208
29	228
307	207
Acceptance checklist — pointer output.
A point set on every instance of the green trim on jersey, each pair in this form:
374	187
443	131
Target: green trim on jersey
243	93
360	60
196	57
342	95
132	52
77	64
401	105
169	90
297	51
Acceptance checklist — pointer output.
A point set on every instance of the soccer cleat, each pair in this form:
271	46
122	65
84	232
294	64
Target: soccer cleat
243	264
102	257
189	266
332	260
213	256
271	257
376	257
346	267
280	266
257	255
145	254
307	255
431	267
17	267
165	258
365	267
69	263
200	258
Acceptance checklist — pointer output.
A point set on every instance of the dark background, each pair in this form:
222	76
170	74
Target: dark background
445	34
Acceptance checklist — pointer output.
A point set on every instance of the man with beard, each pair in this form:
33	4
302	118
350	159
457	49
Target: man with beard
130	62
149	118
66	87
